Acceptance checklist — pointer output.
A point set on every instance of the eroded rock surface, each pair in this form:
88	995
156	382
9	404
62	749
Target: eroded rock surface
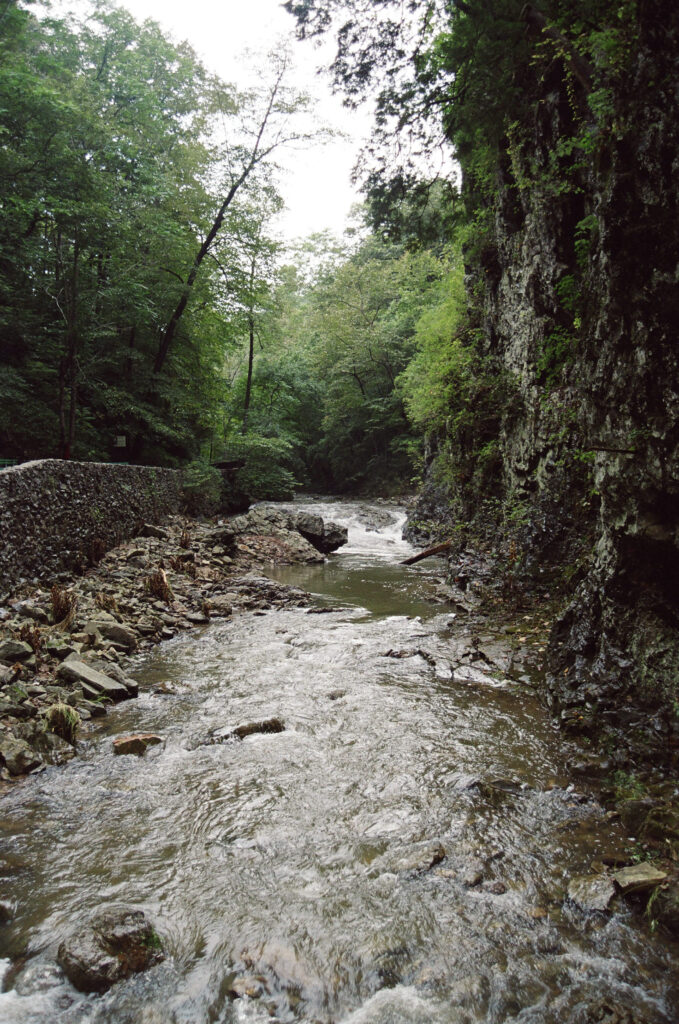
112	946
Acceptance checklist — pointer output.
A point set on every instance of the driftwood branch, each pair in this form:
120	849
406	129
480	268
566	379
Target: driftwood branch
436	550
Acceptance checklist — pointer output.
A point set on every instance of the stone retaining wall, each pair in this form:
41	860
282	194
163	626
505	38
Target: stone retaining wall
58	516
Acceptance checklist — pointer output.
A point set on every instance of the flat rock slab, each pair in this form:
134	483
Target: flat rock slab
76	671
638	877
591	892
112	631
469	674
136	744
112	946
14	650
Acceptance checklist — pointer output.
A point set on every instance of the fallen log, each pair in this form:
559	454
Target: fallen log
436	550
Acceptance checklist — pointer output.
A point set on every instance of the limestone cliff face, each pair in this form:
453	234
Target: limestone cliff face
618	643
577	289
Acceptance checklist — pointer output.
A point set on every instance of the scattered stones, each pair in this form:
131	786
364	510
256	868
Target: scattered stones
114	945
591	892
136	744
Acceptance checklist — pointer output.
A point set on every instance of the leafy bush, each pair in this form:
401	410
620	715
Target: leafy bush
201	488
264	473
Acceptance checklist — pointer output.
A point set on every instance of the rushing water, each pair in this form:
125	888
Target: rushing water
299	857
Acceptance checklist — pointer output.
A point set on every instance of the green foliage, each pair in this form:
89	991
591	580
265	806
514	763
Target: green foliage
586	231
201	487
117	150
266	474
436	382
64	721
627	786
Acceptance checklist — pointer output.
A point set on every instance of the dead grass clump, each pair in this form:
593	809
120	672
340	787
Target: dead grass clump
31	635
64	721
106	602
96	550
157	586
64	603
179	565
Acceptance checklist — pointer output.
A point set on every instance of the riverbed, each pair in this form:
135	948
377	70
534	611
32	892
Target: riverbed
399	854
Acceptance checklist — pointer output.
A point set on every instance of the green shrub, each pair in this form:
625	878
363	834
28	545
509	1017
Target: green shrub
265	473
201	488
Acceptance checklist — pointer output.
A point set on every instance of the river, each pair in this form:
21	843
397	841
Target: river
313	859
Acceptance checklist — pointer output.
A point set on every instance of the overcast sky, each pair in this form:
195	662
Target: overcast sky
316	184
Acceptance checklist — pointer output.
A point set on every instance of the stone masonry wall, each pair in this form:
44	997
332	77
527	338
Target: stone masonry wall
57	516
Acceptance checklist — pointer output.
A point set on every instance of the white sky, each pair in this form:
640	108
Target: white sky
316	184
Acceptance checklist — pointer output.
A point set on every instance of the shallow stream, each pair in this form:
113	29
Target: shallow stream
312	859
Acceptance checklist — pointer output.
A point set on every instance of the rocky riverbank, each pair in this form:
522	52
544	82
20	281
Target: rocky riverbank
64	644
504	625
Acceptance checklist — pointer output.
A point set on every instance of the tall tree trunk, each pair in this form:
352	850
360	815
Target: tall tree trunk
257	154
248	385
68	367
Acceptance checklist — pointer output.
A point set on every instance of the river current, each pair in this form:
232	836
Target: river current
398	855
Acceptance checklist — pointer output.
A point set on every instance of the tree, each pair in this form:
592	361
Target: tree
270	111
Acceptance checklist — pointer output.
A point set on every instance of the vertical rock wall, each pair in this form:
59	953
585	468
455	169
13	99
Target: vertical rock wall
576	288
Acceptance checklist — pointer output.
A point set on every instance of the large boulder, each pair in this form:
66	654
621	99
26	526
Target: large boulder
115	944
17	755
325	537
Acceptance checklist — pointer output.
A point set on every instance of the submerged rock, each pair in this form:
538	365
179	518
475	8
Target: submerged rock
112	946
266	726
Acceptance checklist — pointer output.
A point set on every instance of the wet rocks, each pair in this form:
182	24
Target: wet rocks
18	756
76	659
591	892
638	878
137	744
112	946
250	985
269	725
325	537
418	858
73	670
